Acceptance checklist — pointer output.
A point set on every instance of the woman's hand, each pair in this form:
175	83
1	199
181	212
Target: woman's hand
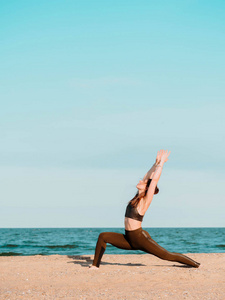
158	157
164	155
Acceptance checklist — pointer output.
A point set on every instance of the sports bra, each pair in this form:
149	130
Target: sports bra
131	212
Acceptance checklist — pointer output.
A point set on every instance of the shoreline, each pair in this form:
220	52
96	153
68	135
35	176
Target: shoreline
132	276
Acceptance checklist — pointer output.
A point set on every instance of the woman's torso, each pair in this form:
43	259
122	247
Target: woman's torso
132	224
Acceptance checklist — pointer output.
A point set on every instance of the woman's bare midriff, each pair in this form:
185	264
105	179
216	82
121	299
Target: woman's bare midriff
131	224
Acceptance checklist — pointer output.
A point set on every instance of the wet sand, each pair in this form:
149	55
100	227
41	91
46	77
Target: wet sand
119	277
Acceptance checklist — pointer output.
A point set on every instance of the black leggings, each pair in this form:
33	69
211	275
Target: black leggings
138	239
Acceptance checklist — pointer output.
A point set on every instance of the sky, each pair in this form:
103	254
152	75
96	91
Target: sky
90	91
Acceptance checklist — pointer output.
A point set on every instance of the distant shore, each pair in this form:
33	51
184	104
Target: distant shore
119	277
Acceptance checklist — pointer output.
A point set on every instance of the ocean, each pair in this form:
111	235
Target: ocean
82	241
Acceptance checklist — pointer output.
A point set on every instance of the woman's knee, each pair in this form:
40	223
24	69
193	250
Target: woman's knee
166	255
103	236
169	256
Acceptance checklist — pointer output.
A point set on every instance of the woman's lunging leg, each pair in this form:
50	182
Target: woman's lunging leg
150	246
116	239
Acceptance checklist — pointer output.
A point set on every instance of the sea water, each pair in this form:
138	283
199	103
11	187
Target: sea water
82	241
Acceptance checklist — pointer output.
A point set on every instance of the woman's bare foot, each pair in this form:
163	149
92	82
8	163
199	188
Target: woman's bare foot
93	268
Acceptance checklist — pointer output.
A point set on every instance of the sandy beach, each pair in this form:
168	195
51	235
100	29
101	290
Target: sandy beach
119	277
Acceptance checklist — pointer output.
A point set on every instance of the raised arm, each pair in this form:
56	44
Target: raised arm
155	177
150	173
158	171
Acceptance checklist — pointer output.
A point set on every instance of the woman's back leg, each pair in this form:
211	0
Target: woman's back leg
150	246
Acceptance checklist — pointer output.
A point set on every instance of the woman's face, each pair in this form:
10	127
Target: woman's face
141	186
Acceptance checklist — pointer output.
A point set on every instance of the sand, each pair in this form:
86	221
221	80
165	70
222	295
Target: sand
119	277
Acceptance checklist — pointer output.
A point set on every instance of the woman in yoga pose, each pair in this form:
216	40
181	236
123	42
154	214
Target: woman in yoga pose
135	238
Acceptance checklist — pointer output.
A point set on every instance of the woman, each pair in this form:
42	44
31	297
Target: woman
135	238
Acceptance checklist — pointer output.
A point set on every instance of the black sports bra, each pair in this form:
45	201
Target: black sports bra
131	212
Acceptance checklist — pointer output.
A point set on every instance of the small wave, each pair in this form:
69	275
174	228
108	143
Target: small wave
10	254
190	243
60	246
10	246
220	246
41	246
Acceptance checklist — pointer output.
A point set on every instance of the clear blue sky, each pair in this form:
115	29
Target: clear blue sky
90	90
